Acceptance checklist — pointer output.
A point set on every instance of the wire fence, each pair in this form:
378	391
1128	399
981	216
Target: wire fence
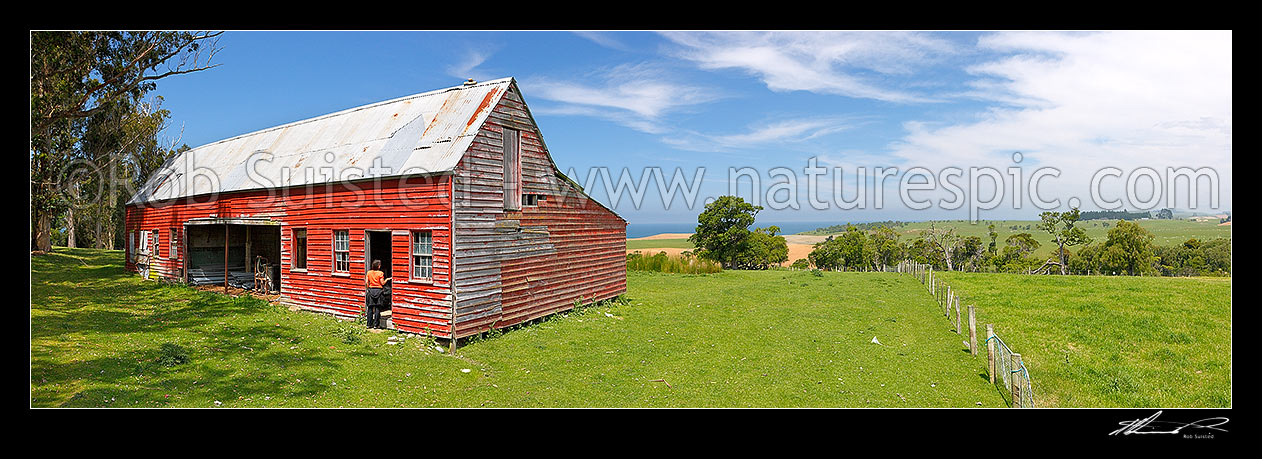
1009	367
1001	361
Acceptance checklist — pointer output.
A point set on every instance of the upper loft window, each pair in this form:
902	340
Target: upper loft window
512	169
532	200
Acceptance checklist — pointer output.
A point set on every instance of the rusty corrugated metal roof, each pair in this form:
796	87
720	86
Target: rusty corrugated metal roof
420	134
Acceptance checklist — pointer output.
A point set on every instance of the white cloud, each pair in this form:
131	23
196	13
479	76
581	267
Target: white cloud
603	39
837	63
638	96
1083	101
467	66
779	131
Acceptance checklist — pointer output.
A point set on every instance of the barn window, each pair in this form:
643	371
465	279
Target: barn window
512	169
300	248
173	251
157	243
532	200
422	255
144	243
341	251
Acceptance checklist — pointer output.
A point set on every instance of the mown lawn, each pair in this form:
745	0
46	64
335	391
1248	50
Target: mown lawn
734	339
1111	341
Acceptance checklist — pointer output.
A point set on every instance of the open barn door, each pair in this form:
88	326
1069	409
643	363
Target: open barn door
236	252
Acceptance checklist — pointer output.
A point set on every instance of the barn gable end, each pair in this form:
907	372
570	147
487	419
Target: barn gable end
516	265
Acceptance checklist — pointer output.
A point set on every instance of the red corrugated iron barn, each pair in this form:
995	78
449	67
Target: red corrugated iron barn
453	189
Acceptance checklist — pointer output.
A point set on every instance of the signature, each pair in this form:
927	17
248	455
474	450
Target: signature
1149	425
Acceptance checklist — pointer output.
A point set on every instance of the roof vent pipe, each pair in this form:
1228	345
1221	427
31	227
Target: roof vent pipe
470	82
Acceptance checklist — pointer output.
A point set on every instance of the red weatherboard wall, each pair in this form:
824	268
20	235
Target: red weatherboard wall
520	265
421	203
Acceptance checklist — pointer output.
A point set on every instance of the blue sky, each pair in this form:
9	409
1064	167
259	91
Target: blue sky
1077	102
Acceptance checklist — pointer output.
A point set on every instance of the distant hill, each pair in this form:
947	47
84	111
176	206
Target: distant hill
834	229
1113	215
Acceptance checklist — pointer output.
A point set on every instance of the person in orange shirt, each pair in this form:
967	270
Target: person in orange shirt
374	283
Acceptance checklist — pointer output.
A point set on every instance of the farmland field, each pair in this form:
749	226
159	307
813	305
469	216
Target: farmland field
1165	232
102	338
1110	341
639	244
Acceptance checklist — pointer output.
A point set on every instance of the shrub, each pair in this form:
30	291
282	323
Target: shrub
170	355
350	333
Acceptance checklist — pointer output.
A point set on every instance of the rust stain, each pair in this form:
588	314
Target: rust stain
443	109
486	100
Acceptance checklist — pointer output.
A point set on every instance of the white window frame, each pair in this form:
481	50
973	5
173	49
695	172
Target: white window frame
173	251
346	250
421	256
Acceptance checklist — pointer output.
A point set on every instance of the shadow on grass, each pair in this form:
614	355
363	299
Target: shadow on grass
97	335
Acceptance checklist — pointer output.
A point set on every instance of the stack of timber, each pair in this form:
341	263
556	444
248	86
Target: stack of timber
214	275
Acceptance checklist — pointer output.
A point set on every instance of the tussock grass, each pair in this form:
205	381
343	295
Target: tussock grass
663	263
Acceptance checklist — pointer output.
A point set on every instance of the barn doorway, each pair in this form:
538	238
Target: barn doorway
377	246
231	252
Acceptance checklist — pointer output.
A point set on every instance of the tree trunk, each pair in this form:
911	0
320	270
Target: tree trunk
43	226
1061	253
70	223
100	243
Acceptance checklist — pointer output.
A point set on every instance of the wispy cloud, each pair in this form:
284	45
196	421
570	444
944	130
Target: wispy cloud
603	39
841	63
637	96
763	134
468	64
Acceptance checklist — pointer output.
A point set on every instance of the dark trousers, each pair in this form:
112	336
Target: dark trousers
374	303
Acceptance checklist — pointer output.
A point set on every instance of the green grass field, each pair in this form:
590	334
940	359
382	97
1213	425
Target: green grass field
1166	232
1111	341
659	244
735	339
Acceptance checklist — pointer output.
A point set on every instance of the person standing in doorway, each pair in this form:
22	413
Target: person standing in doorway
374	299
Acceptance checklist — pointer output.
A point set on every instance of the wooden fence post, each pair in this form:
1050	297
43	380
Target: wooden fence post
958	324
990	351
1015	377
972	329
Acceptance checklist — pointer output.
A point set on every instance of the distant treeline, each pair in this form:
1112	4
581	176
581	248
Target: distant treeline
1113	215
834	229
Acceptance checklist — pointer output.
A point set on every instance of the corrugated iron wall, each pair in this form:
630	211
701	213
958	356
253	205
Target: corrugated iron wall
422	203
520	265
